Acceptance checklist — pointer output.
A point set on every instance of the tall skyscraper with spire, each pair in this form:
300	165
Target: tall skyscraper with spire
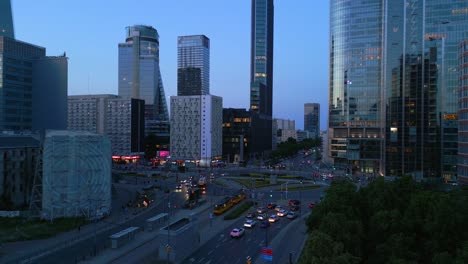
6	19
139	73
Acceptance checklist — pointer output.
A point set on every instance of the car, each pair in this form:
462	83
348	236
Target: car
262	216
261	210
294	207
178	187
237	232
250	215
282	212
271	206
264	224
273	218
249	223
291	215
294	202
278	207
311	205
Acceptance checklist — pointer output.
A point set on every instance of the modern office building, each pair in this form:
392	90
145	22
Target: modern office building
236	134
312	119
33	87
121	119
285	129
193	65
6	19
261	75
139	72
394	86
196	128
76	177
18	155
463	114
50	91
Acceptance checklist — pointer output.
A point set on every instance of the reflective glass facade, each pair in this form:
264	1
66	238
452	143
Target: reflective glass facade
355	105
312	119
16	83
406	75
6	19
463	114
193	65
139	73
262	56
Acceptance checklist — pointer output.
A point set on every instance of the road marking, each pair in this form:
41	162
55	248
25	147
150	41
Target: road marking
201	260
210	252
224	240
209	261
192	260
217	246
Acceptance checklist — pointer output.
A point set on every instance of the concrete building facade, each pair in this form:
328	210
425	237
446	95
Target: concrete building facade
196	127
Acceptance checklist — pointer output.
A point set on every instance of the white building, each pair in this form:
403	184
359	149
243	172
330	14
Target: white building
121	119
196	127
76	175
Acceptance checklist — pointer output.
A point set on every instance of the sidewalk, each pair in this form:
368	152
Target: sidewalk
28	251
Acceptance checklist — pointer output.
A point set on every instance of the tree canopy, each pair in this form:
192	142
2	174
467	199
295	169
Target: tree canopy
388	222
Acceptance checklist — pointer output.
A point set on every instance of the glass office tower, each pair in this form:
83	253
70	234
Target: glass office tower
6	19
139	73
312	119
355	102
411	75
463	114
261	61
193	65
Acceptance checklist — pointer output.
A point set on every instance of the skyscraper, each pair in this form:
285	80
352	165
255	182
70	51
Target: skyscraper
6	19
193	65
394	85
139	73
261	78
261	60
463	114
33	87
312	119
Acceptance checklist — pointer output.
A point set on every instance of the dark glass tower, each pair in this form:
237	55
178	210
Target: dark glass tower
6	19
261	77
261	60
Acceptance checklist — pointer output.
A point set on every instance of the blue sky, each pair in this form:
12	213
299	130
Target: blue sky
89	32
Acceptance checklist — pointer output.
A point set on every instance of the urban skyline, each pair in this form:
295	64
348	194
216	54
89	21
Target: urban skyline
228	26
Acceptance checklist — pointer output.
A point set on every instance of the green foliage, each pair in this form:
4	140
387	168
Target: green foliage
240	210
388	222
291	147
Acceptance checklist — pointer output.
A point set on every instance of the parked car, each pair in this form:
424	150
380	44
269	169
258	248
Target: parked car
261	210
282	212
249	223
264	224
291	215
271	206
311	205
237	232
